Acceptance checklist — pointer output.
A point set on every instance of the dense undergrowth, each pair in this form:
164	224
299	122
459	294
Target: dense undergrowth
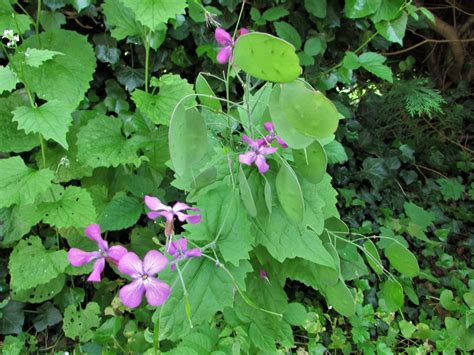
327	177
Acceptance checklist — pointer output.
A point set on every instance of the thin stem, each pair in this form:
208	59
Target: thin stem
147	58
38	16
247	103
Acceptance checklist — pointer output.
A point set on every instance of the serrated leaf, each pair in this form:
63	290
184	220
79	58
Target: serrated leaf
403	260
102	143
159	107
31	265
72	207
81	322
351	61
122	20
155	13
393	31
64	77
20	184
35	57
51	120
335	152
373	63
17	222
8	79
11	138
120	213
289	193
10	20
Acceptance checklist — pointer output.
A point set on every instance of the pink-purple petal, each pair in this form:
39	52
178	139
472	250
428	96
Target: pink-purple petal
99	266
78	257
195	252
243	31
193	218
223	37
155	215
247	158
131	294
130	264
180	206
117	252
262	165
157	292
154	203
154	262
268	150
224	54
93	232
268	126
178	246
281	142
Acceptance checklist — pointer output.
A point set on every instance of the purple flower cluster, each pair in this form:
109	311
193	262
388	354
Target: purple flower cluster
143	273
261	147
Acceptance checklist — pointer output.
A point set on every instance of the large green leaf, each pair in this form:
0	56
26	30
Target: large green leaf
17	222
309	111
393	31
40	293
11	138
122	20
283	126
80	322
402	259
246	193
120	213
187	139
159	107
155	13
289	193
340	297
266	57
8	79
210	290
65	77
203	88
72	207
102	143
30	264
361	8
20	184
35	57
51	120
311	162
393	295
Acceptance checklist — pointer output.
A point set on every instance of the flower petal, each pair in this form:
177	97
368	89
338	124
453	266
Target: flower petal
166	214
193	218
99	266
77	257
253	143
281	142
154	204
93	232
268	126
195	252
262	165
247	158
116	253
154	262
268	150
178	246
157	292
223	37
180	206
130	264
131	294
243	31
224	54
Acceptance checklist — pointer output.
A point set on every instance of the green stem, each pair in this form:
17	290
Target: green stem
38	16
147	58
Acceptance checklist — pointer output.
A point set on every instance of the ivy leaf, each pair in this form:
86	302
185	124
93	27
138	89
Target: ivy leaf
451	189
373	63
20	184
8	79
51	120
361	8
73	207
159	107
31	265
122	20
35	57
101	143
81	322
11	138
211	290
64	77
155	13
120	213
393	31
48	316
12	319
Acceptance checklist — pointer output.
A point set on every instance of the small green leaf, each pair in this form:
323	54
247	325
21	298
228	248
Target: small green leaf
275	13
8	79
107	331
447	301
407	328
427	13
351	61
289	193
373	257
48	316
52	120
20	184
313	46
266	57
187	139
340	297
10	20
122	20
203	88
81	322
268	196
288	33
120	213
246	194
373	63
393	295
361	8
35	57
317	8
393	31
402	259
311	162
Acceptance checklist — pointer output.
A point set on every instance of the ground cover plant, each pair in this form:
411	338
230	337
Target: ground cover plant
235	177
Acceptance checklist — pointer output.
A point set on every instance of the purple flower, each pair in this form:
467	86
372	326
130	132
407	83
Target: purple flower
79	257
263	275
256	154
179	250
159	209
273	136
144	281
226	42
